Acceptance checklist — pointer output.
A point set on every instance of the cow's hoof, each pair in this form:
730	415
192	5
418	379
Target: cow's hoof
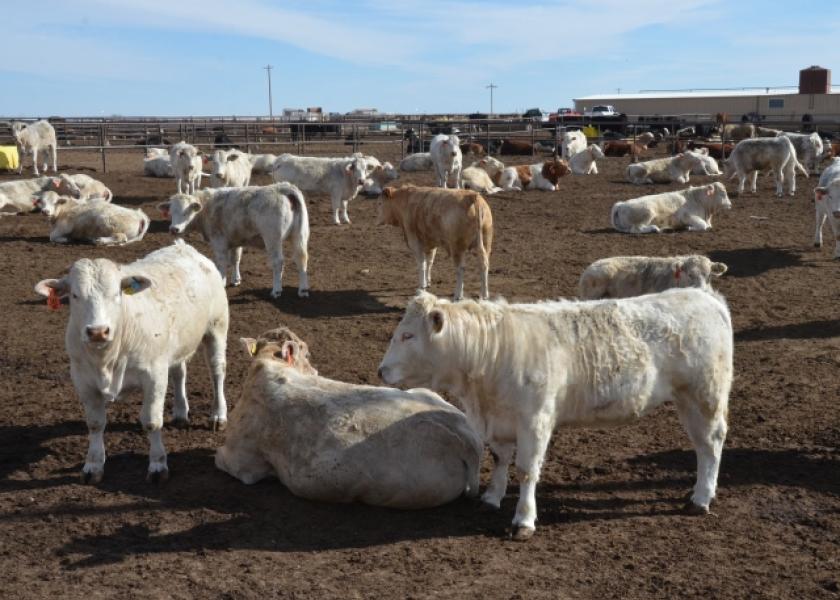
235	283
217	424
690	508
485	506
522	533
275	295
160	476
180	422
303	293
817	245
92	477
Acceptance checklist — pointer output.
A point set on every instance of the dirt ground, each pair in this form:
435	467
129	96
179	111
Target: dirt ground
609	500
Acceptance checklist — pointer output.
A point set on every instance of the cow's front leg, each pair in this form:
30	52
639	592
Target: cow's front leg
221	252
151	418
430	260
215	344
532	439
695	223
336	207
345	217
820	218
96	419
502	456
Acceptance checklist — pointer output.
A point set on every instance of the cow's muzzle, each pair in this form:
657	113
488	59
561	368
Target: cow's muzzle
97	334
175	230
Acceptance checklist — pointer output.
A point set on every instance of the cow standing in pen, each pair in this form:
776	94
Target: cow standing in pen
521	370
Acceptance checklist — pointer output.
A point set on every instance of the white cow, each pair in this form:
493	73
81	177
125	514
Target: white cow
521	370
332	441
32	138
341	178
476	178
706	165
379	175
809	148
447	159
157	166
691	208
262	164
625	276
583	162
573	142
22	195
230	168
421	161
827	205
137	325
674	169
757	154
91	188
186	164
230	218
95	220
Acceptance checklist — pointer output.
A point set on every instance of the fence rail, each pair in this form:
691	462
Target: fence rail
262	134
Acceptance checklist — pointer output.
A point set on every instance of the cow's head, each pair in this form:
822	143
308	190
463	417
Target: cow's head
181	209
554	169
63	185
714	197
356	172
18	129
830	196
414	356
281	345
49	202
696	271
96	289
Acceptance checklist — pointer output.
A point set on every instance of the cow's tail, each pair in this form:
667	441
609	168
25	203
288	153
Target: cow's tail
109	195
143	226
300	223
479	213
800	167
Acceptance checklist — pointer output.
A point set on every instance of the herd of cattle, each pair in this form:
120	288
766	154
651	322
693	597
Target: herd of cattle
518	370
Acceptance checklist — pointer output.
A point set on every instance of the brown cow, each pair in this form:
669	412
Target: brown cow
716	149
477	150
517	147
430	218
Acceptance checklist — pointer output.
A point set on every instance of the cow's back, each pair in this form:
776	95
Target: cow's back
447	218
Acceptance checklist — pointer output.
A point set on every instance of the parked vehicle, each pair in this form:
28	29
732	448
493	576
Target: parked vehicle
535	114
563	114
602	110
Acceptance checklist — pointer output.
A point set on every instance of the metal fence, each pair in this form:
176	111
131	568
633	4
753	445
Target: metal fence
254	134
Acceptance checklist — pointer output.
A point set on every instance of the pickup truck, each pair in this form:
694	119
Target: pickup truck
602	110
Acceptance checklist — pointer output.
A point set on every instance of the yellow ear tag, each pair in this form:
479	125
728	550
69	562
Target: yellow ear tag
132	288
252	348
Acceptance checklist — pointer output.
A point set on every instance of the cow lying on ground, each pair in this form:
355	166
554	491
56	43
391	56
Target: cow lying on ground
543	176
715	150
341	178
157	163
32	138
421	161
447	159
741	131
674	169
827	205
432	218
692	209
230	218
137	325
332	441
186	165
516	148
91	188
21	195
625	276
230	168
379	175
583	163
706	165
754	155
477	178
617	148
96	221
521	370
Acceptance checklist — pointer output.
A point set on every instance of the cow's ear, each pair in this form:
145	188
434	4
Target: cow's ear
710	190
134	284
718	269
388	192
43	287
436	320
250	345
289	352
820	193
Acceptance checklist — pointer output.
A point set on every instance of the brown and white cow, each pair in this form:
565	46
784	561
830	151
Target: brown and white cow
543	176
432	218
332	441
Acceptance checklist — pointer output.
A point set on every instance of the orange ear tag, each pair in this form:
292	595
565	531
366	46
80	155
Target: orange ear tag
53	300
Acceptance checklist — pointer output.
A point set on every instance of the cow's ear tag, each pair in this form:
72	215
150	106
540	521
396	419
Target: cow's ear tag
53	300
133	287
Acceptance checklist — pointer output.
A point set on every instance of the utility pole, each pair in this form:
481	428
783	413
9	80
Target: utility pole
270	109
491	87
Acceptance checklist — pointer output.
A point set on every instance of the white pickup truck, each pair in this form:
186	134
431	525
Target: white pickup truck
604	110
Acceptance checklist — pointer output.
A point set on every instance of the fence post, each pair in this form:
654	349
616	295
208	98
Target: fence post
247	139
533	140
355	137
303	139
102	146
634	158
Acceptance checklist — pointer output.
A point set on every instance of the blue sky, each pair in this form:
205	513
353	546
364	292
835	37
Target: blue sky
205	57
